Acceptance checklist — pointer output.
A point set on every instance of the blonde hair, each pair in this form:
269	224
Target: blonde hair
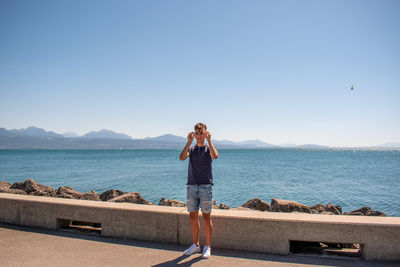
200	126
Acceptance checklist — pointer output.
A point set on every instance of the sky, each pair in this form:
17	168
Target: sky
276	71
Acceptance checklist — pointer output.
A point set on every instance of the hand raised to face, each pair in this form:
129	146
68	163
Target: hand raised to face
190	137
207	135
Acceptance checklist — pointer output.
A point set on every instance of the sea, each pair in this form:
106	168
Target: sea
349	178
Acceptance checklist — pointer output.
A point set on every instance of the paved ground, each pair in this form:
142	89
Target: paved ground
26	246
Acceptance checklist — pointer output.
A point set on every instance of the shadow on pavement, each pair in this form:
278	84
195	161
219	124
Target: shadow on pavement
177	262
288	259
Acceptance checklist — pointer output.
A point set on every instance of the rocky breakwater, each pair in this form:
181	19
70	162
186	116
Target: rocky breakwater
31	187
282	205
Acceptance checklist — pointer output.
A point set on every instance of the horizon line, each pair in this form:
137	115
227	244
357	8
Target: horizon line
284	145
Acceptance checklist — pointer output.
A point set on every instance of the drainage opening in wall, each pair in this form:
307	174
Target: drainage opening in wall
79	226
325	249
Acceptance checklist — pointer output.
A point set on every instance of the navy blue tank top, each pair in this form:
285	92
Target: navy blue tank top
200	171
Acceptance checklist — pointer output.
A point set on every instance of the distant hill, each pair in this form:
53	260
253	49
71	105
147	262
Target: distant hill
37	138
168	138
255	143
312	146
390	145
4	132
106	134
245	144
34	131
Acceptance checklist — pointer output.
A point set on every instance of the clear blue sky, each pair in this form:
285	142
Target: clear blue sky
278	71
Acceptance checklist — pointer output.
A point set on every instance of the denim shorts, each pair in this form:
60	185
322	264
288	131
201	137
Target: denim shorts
199	196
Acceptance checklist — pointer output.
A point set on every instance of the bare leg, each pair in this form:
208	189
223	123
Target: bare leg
195	226
208	227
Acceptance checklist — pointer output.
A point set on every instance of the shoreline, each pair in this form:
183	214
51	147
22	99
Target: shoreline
31	187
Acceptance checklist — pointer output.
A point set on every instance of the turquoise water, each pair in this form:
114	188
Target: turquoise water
352	179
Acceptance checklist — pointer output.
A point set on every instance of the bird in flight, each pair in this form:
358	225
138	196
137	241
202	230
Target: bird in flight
352	87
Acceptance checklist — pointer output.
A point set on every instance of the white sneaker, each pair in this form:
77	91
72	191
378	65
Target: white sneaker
192	249
206	252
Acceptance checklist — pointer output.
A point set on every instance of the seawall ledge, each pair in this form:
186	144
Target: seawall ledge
236	214
270	232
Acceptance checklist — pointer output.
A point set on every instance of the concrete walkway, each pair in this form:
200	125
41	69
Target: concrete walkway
26	246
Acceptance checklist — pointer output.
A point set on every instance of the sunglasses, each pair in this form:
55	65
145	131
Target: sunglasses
197	133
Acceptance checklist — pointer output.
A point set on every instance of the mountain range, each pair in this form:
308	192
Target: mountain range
37	138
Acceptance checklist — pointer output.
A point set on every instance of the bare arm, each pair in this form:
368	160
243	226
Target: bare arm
185	151
213	151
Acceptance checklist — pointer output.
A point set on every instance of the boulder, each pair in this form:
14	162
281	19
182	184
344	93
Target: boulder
377	213
31	187
366	211
318	208
281	205
256	204
68	192
214	205
13	191
5	188
171	203
339	208
223	206
133	197
330	208
4	185
110	194
91	195
363	210
314	211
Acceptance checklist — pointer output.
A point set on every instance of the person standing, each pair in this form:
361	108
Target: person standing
199	185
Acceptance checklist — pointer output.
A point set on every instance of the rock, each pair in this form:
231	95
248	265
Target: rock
363	210
339	208
13	191
281	205
110	194
330	208
171	203
366	211
214	205
68	192
4	185
319	208
222	206
91	195
133	197
5	188
377	213
31	187
256	204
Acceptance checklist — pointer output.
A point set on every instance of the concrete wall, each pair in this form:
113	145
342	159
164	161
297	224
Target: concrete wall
234	229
